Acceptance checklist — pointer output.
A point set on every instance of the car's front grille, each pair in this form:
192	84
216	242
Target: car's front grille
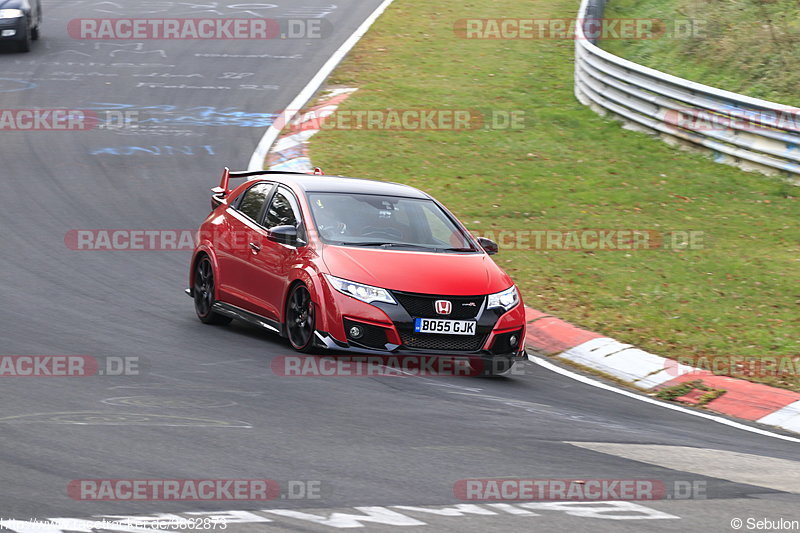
456	343
423	305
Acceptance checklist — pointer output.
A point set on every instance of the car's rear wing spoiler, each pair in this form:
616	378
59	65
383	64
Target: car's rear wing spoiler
224	189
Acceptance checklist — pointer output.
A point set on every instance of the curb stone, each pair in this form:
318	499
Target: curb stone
743	399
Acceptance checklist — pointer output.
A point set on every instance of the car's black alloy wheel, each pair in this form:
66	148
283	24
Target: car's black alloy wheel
300	319
203	291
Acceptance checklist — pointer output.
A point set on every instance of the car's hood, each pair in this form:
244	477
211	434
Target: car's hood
10	4
420	272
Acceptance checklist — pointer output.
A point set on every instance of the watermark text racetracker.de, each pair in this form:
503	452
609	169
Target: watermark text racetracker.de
595	239
410	119
740	366
193	29
737	119
68	366
577	490
195	490
71	120
593	28
47	120
160	240
134	239
371	366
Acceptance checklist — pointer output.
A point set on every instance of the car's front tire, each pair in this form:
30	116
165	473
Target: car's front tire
203	292
301	319
24	45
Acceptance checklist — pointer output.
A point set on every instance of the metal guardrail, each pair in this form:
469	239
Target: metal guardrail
747	132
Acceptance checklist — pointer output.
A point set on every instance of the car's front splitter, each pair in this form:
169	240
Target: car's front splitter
482	360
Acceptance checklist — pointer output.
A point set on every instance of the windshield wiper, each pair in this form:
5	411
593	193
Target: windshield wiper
406	245
389	245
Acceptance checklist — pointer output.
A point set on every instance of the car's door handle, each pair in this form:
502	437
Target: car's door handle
255	248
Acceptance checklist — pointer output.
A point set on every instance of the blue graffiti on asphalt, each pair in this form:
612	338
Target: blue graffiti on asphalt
15	85
155	150
170	115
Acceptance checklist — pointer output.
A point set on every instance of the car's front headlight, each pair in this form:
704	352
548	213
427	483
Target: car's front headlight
359	291
504	299
11	13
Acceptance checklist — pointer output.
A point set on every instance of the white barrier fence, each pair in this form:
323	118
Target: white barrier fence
747	132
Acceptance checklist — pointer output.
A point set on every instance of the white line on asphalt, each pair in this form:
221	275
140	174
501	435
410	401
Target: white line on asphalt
260	154
742	468
594	383
345	518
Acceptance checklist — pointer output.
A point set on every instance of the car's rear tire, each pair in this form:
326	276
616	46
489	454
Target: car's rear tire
203	292
301	320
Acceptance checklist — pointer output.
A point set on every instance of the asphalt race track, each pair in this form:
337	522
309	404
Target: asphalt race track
206	404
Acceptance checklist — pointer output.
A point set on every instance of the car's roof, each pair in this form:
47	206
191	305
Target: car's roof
316	183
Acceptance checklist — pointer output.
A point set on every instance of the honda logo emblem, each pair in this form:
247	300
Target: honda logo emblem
443	307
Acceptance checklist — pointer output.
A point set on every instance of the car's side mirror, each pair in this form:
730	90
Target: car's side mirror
283	234
488	245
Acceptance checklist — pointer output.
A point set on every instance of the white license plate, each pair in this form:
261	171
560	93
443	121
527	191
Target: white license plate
444	327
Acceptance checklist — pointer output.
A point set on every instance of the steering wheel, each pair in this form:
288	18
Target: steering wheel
376	232
329	232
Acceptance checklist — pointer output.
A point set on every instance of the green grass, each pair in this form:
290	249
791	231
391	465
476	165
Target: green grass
675	392
746	46
567	169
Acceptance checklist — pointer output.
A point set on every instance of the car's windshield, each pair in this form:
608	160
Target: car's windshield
390	222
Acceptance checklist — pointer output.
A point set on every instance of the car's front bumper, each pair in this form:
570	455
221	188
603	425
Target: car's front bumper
389	330
12	29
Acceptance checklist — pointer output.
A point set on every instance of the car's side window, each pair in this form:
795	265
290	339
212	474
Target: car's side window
254	199
284	211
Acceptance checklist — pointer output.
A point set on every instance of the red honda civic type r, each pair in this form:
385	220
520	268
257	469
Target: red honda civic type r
358	265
